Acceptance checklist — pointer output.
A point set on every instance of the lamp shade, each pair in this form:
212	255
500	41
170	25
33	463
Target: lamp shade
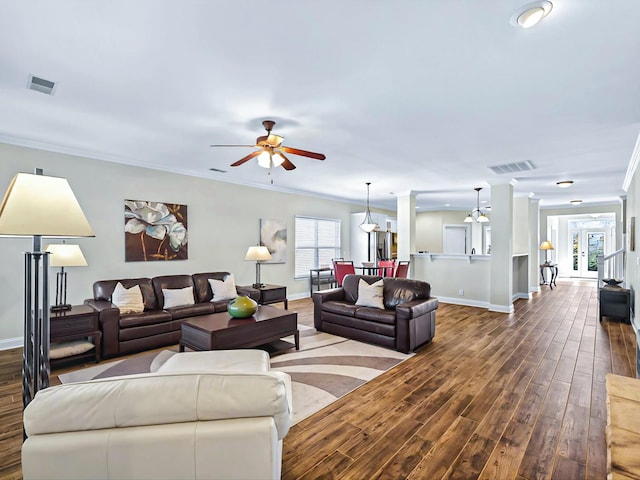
258	253
42	205
65	255
546	245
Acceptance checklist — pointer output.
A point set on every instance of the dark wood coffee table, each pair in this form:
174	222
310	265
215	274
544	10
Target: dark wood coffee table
220	331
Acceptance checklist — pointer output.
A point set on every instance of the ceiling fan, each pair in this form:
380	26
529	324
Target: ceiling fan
271	152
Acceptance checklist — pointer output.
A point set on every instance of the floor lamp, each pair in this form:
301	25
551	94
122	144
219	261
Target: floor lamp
36	206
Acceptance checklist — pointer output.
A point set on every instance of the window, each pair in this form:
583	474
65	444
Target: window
317	243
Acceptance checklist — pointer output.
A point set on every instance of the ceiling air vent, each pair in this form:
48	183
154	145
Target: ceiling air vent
41	85
218	170
513	167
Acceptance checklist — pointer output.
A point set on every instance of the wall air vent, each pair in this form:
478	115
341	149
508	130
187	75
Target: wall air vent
217	170
41	85
515	167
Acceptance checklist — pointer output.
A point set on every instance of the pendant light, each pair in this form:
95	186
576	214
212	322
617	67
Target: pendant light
481	217
368	225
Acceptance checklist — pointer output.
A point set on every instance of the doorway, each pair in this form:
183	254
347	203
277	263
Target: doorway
587	245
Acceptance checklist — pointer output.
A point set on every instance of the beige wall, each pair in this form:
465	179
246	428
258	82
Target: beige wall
223	220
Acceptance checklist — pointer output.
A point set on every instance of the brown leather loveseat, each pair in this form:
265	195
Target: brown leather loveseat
407	321
157	326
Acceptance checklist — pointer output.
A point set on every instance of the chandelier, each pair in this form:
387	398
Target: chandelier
476	214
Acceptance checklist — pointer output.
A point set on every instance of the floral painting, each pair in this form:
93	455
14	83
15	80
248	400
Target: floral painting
273	235
154	231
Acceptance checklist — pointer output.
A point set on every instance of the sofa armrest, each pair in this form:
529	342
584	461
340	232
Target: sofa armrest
416	308
109	319
324	296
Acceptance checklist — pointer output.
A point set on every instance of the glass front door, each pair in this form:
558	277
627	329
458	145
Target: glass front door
587	245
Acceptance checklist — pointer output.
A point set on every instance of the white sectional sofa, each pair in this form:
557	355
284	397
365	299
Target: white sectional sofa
213	415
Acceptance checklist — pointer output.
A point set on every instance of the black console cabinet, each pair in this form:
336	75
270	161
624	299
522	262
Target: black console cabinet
615	302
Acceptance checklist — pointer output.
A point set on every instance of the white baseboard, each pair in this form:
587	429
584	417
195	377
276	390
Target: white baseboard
9	343
461	301
502	308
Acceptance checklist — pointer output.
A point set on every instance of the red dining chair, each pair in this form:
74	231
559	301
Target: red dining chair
387	267
342	268
402	269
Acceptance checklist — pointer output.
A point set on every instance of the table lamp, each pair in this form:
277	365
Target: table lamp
258	253
36	206
546	246
64	255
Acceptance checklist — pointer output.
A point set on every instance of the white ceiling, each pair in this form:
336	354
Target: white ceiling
410	95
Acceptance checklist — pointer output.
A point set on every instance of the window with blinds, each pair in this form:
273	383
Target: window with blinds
317	243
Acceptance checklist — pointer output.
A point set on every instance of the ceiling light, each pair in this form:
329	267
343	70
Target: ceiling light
477	214
565	183
368	225
269	159
531	14
575	202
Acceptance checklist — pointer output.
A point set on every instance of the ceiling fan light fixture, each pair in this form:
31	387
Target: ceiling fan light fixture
469	219
264	159
483	218
277	159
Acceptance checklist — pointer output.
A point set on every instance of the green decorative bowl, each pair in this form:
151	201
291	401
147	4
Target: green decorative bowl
242	307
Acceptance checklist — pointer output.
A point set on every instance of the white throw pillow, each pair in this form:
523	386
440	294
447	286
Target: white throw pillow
370	295
223	290
177	297
128	300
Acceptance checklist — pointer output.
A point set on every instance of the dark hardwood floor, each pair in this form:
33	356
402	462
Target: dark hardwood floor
495	396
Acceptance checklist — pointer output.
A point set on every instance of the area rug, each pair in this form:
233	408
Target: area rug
326	368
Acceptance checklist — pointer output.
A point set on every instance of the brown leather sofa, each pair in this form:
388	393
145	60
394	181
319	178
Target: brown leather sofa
407	321
156	326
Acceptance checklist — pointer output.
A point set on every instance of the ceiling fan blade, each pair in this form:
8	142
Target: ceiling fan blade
287	165
232	145
304	153
247	158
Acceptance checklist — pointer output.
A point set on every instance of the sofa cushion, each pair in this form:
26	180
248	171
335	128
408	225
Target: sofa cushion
341	308
351	282
146	318
177	297
370	295
202	288
402	290
387	317
159	399
185	311
103	290
128	300
169	282
223	289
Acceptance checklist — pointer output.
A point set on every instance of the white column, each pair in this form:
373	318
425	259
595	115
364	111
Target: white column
534	244
500	298
406	212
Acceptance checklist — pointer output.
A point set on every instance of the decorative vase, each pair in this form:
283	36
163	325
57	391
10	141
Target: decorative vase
242	307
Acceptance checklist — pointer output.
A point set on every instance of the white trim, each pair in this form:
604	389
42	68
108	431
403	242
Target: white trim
501	308
633	165
458	301
9	343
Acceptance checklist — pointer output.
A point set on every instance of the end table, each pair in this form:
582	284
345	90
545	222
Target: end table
79	322
273	294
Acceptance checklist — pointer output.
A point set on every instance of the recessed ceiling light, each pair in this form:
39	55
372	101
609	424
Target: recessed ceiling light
531	14
575	202
565	183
